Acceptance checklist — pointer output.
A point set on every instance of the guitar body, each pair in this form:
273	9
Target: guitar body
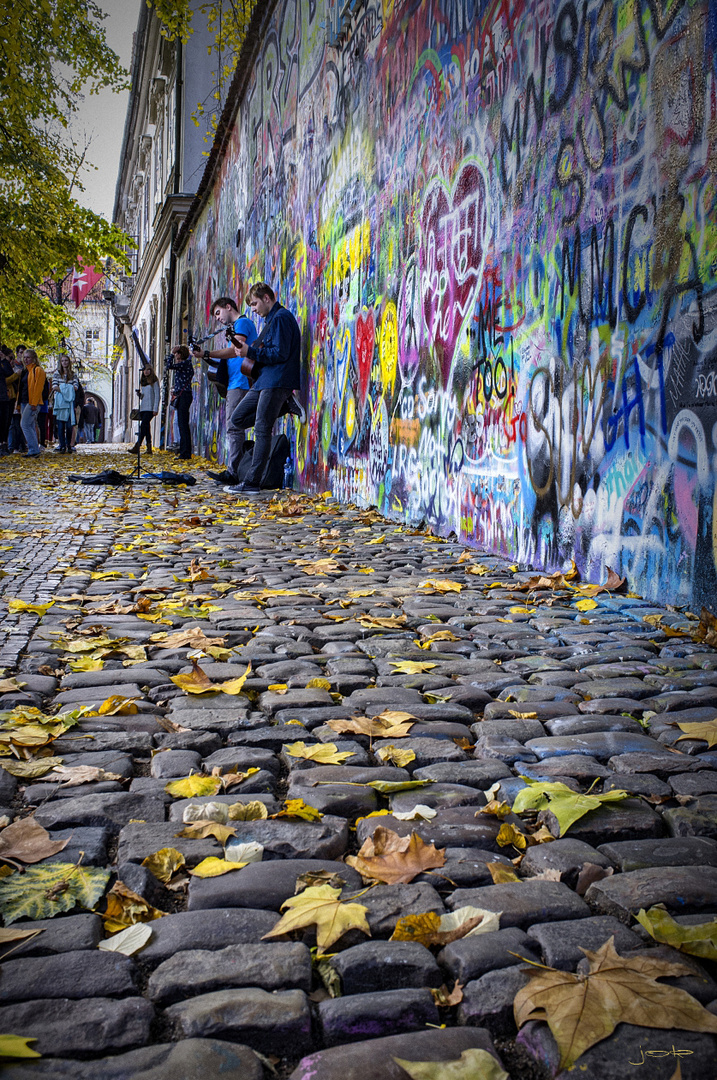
251	369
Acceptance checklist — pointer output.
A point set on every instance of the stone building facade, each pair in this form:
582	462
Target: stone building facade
162	161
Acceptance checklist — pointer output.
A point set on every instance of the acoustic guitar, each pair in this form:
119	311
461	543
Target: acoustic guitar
250	368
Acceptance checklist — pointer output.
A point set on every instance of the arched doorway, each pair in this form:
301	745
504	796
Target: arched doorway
100	433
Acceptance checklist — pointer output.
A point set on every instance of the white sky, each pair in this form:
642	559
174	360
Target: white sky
100	118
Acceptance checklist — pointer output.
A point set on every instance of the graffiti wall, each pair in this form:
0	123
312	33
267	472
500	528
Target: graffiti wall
495	221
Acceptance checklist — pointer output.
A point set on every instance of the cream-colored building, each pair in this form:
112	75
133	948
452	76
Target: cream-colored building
162	161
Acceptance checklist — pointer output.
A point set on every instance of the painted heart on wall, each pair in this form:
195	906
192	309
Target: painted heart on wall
452	253
364	339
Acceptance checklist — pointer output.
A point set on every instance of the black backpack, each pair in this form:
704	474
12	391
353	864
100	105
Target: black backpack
274	472
273	476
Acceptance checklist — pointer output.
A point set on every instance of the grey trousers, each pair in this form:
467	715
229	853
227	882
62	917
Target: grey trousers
235	435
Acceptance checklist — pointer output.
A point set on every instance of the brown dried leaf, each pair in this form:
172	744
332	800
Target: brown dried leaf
79	774
707	630
193	637
395	859
200	830
376	727
445	998
582	1010
125	908
25	841
589	874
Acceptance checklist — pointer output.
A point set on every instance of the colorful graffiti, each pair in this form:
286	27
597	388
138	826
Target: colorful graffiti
495	221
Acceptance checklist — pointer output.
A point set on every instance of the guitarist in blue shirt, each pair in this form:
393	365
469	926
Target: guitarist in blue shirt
272	365
227	365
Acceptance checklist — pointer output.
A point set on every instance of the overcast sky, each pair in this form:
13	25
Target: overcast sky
101	117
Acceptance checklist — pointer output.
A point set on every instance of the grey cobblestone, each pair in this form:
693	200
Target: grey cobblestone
588	700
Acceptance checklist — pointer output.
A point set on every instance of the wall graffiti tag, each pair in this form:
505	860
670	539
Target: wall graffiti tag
496	223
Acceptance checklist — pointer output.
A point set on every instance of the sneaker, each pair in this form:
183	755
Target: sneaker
295	408
223	477
251	489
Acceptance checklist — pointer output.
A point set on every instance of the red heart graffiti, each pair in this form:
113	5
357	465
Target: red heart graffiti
451	258
365	335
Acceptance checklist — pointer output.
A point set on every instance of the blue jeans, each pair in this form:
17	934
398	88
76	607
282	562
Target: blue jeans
259	409
64	433
29	419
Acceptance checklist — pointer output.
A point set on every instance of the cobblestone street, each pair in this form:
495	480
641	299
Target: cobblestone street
394	683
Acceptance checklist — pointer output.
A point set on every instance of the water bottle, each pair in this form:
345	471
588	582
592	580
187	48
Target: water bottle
288	473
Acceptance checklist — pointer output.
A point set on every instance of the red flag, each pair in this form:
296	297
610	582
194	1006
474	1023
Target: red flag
83	279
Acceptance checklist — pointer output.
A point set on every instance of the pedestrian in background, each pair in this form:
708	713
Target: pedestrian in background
64	389
148	394
90	420
15	439
77	413
32	382
181	398
6	401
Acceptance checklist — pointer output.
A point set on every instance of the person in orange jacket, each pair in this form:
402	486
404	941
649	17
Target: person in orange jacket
32	384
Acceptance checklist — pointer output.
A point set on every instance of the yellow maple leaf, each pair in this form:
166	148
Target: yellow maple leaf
395	756
198	682
318	684
116	705
586	605
24	605
164	863
440	585
411	667
196	784
297	808
214	867
324	753
321	906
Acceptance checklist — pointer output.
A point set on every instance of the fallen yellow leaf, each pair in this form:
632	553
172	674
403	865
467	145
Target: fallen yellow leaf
195	784
214	867
582	1010
321	906
324	753
164	863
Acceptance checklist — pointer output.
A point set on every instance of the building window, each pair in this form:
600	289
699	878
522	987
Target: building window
92	338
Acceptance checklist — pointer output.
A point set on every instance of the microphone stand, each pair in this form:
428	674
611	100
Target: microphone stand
136	473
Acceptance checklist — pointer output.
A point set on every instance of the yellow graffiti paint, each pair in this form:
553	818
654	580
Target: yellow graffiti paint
388	345
350	416
366	240
302	442
320	380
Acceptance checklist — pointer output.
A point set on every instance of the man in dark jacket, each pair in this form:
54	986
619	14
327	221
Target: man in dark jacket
276	356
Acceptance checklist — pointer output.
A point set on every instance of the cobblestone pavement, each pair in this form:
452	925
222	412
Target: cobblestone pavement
340	614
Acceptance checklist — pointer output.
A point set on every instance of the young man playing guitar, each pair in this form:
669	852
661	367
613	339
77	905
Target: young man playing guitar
239	330
272	363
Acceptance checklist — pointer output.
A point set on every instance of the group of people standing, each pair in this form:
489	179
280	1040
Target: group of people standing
258	372
35	410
